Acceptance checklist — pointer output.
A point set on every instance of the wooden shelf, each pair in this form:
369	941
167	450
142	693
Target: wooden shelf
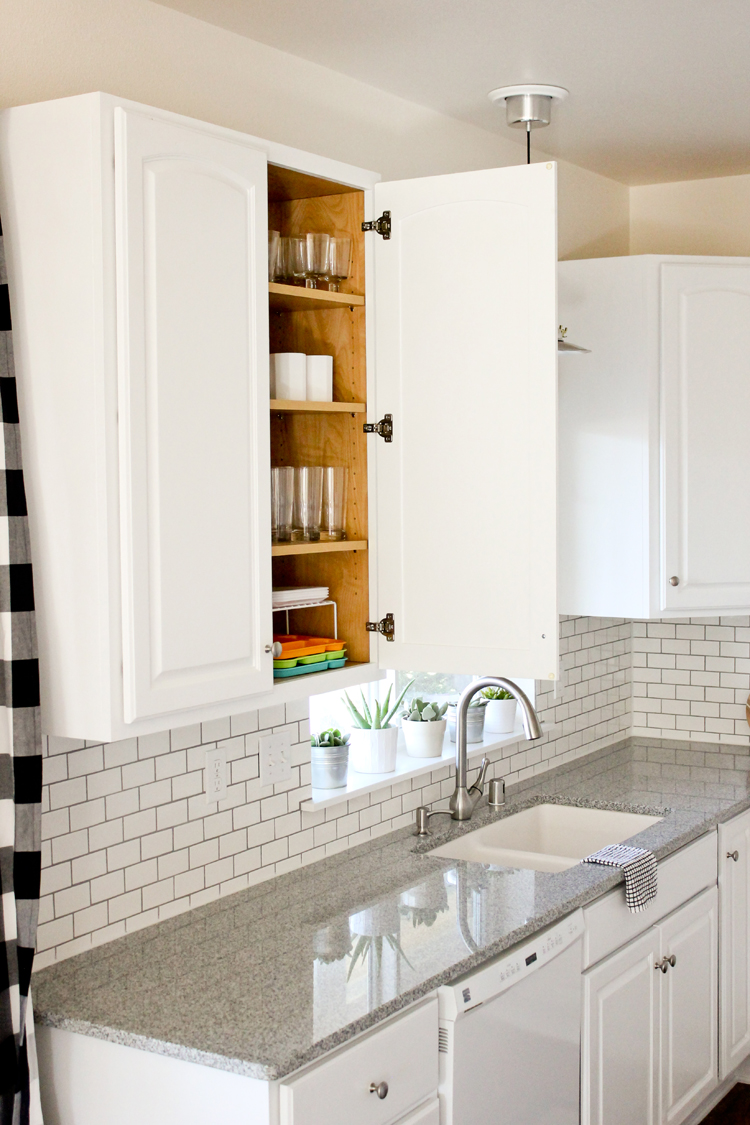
294	298
289	406
318	548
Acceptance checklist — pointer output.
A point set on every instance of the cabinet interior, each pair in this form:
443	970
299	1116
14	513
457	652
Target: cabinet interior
316	434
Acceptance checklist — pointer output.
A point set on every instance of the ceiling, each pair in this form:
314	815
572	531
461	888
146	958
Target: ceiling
658	88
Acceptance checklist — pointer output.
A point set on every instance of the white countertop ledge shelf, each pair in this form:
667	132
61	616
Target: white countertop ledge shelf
407	767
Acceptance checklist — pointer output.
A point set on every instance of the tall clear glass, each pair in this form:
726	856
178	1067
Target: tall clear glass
274	263
308	502
333	524
340	262
294	259
318	248
282	503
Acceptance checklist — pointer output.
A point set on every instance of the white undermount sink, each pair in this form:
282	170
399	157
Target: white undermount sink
546	837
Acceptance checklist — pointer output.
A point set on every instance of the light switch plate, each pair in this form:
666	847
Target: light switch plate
275	758
215	778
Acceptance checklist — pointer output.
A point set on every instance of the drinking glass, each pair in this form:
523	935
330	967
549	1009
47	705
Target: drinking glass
308	502
294	254
340	262
282	502
274	245
334	502
318	247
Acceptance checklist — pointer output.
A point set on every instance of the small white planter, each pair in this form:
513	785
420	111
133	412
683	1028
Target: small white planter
500	716
373	751
424	740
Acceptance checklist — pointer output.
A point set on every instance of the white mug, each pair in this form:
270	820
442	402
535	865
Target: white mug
290	375
320	378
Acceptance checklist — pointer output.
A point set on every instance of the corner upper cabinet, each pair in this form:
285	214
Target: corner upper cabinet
137	246
654	510
466	362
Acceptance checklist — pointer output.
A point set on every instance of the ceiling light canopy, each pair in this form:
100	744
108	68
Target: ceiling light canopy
527	106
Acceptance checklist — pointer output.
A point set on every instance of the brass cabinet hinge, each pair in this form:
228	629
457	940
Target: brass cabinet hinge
386	627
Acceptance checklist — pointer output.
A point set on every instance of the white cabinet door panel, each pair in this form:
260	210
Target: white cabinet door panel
466	361
705	374
621	1037
193	400
689	1065
734	943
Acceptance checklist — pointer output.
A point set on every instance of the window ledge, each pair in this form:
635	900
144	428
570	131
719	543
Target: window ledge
407	767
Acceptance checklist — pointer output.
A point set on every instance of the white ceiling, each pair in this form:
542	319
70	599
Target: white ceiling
658	88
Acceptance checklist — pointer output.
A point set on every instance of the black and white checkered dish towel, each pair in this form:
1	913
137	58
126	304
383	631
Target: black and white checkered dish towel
639	867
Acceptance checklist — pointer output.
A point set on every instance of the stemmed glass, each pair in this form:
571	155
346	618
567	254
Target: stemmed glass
318	249
340	260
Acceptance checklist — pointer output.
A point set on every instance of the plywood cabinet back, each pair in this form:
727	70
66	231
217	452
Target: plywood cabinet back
326	439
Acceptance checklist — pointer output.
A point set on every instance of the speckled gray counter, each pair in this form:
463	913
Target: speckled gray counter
265	980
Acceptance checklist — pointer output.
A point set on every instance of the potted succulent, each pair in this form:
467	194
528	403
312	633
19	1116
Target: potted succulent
500	715
330	757
374	740
424	726
474	720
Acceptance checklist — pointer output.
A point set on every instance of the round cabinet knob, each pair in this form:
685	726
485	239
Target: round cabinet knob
735	855
674	580
672	960
663	965
379	1088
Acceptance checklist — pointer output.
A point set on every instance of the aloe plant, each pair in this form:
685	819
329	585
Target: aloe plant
330	737
497	693
420	711
380	716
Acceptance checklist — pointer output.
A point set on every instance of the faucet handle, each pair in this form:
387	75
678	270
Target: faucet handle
479	783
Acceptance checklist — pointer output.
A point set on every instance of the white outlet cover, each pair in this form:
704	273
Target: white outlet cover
215	776
275	758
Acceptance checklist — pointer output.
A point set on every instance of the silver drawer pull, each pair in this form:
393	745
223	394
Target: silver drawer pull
735	855
379	1088
663	964
672	960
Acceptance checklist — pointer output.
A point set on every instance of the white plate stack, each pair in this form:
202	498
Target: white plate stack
286	596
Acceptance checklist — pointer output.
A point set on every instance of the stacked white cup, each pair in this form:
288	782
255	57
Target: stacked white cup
298	377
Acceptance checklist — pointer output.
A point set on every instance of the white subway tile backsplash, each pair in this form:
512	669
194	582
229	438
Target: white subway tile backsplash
163	848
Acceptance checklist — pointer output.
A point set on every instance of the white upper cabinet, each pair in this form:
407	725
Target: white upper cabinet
465	361
137	253
654	455
137	246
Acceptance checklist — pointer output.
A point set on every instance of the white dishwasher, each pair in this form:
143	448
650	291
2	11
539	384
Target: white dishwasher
510	1035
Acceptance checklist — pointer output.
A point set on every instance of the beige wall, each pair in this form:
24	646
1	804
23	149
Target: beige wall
691	217
141	50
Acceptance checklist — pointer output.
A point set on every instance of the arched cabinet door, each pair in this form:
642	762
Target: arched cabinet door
466	363
191	222
705	421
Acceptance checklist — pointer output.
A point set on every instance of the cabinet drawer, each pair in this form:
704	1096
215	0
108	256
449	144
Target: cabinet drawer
404	1054
609	923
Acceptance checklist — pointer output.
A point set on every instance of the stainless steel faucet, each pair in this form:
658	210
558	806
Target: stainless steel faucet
464	800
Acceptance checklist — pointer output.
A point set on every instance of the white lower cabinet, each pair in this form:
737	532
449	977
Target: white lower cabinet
387	1077
734	942
650	1022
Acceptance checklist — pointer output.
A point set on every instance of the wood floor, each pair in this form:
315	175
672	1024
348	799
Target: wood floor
733	1110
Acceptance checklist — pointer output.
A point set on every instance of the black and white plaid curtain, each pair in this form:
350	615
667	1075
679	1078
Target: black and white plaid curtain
20	760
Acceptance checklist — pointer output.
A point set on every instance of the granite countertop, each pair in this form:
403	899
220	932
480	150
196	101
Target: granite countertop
265	980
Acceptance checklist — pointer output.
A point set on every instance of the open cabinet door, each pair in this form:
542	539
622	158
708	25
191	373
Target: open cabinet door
466	363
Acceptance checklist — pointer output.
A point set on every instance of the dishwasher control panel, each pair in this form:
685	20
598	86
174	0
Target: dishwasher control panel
473	990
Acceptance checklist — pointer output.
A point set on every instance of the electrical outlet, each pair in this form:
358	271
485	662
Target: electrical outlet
275	758
215	783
